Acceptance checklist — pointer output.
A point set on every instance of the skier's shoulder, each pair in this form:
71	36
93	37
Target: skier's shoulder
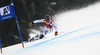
51	20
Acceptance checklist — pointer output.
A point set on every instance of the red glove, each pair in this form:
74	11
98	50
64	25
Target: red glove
56	33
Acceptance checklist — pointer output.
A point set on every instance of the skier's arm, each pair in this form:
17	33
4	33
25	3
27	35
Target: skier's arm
56	30
55	27
38	21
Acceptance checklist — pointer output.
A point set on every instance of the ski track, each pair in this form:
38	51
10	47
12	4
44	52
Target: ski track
66	35
50	42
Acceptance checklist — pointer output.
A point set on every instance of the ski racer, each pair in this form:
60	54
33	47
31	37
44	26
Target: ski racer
49	25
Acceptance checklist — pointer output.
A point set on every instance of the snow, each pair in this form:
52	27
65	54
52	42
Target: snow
80	35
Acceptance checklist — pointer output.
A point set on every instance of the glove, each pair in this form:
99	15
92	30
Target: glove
56	33
31	23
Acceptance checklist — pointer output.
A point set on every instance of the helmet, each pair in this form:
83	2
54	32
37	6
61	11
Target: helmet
47	17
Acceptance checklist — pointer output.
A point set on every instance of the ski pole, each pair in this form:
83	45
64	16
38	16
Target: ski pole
29	28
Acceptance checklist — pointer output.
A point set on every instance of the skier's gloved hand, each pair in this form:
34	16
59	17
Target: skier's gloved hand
31	23
56	33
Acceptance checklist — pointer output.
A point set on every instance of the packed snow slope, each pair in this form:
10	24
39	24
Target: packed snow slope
80	35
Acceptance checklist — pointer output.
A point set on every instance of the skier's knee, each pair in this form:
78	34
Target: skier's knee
41	36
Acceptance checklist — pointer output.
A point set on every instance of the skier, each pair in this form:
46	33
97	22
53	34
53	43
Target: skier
49	25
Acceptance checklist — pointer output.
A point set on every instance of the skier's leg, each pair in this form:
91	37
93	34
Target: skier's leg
41	36
44	32
37	36
34	38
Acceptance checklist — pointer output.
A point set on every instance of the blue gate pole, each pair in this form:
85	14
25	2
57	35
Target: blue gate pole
19	31
0	45
17	23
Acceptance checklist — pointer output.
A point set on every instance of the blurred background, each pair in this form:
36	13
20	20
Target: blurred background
29	10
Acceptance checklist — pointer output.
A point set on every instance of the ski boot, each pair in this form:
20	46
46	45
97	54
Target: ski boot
31	39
